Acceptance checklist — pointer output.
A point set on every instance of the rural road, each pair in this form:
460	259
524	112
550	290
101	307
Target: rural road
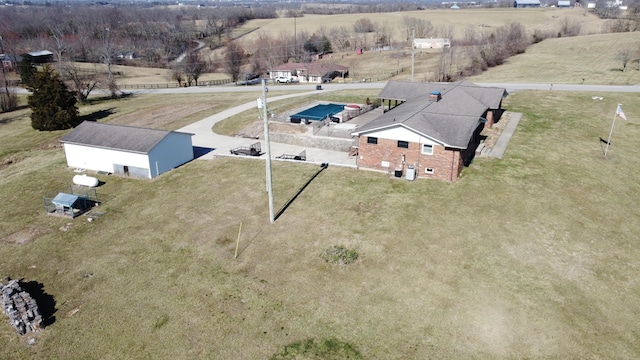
511	87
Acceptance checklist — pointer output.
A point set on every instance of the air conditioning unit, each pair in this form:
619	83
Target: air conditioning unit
410	174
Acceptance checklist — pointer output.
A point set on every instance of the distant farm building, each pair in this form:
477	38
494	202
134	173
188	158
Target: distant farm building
126	150
39	57
526	3
564	3
431	43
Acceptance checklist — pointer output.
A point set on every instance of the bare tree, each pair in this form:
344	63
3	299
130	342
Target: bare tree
624	56
79	82
107	59
363	26
569	27
234	58
177	75
341	36
194	66
8	97
423	28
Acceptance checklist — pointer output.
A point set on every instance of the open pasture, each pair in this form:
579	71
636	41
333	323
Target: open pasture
530	256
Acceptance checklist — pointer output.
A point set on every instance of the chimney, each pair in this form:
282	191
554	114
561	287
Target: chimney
435	96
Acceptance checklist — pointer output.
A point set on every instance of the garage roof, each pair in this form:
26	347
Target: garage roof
116	137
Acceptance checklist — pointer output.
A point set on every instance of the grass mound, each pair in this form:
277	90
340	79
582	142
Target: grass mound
339	255
312	349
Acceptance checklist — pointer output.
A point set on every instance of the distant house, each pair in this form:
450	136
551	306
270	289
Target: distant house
431	129
126	150
431	43
39	57
310	72
526	3
10	62
129	55
564	3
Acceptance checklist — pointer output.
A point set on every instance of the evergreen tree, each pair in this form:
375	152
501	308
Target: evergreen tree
27	71
53	106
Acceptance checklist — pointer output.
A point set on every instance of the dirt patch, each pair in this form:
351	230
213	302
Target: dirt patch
159	116
5	163
25	235
51	144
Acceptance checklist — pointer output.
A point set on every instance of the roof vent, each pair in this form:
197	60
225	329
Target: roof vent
435	96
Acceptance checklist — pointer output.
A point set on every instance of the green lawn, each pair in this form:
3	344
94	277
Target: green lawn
530	256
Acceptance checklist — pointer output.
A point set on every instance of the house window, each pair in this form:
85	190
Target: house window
372	140
428	171
403	144
427	149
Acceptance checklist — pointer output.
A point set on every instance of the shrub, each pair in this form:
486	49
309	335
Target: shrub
339	255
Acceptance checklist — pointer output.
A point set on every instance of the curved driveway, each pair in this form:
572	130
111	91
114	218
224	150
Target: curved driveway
220	145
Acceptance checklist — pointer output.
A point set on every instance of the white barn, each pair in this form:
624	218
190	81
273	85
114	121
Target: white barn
126	150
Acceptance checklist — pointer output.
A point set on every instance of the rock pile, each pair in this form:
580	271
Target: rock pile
20	307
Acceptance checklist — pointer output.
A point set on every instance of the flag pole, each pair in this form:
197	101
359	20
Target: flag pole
611	131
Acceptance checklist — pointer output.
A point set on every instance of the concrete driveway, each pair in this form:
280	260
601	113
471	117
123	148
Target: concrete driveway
213	144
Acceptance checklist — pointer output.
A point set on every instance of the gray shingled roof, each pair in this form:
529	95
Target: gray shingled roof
116	137
451	121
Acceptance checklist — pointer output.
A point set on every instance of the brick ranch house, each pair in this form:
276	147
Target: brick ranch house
432	129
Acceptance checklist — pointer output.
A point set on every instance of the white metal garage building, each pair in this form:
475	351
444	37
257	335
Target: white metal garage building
126	150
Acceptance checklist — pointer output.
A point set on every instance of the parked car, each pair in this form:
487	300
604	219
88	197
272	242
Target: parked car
283	80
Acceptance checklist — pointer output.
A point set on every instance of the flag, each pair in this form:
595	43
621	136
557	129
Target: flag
620	113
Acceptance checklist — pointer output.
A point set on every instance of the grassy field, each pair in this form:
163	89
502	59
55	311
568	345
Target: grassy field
459	20
570	61
531	256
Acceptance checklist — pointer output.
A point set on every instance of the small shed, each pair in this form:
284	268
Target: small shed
69	205
126	150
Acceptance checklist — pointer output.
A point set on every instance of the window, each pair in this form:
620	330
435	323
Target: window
372	140
428	171
403	144
427	149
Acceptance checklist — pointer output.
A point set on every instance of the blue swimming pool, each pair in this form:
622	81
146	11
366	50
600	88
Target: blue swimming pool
318	112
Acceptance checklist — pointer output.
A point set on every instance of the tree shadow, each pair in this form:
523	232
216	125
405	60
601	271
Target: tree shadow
107	98
97	115
46	303
323	166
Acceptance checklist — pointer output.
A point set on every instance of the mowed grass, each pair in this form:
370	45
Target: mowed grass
590	59
530	256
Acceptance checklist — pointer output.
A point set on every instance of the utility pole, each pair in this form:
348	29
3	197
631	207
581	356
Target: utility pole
413	51
268	145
